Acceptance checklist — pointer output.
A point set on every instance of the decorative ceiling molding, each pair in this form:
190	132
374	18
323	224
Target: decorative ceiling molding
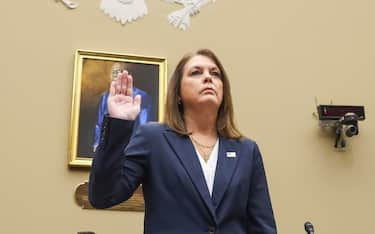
125	11
181	18
69	4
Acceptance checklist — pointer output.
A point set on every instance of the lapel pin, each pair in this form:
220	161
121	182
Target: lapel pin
231	154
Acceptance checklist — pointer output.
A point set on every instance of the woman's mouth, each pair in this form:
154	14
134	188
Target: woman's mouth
208	90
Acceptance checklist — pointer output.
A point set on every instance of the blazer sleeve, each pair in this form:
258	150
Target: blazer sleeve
119	163
260	213
102	111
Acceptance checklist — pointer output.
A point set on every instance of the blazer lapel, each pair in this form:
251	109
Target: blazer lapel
226	165
184	150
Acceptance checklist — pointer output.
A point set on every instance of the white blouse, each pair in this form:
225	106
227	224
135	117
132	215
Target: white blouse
209	167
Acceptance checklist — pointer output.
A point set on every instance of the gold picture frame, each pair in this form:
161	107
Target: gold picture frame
93	71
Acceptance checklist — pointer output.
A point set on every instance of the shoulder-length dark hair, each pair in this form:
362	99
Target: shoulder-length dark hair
174	110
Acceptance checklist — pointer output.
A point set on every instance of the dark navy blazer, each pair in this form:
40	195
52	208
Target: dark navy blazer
177	200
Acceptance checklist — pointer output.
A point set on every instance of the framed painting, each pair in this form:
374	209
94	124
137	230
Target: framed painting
93	72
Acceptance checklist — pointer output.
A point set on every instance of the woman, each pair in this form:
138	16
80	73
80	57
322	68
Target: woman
199	174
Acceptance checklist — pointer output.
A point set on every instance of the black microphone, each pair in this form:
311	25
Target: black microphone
309	228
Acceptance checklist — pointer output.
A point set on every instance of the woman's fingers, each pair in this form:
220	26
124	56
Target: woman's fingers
118	84
124	82
129	90
137	100
122	85
112	88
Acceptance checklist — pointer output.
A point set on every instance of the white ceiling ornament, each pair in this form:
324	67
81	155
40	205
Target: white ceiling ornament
181	18
69	4
124	10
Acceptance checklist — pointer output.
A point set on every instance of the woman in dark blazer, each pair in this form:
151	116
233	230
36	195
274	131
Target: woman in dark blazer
199	174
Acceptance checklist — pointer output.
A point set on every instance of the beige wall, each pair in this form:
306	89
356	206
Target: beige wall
279	55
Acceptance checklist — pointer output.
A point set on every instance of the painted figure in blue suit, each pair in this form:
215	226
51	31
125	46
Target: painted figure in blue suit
144	116
199	174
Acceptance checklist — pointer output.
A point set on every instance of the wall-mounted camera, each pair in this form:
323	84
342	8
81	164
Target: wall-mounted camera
344	119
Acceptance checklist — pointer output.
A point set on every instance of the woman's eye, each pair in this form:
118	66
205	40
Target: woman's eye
216	73
195	72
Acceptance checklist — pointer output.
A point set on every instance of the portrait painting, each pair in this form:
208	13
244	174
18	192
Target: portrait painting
93	73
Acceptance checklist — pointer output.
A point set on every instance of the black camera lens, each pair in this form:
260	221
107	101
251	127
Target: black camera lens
351	131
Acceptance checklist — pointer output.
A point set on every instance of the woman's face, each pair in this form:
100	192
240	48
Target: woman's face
201	83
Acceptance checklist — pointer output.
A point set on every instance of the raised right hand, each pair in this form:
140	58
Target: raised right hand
121	104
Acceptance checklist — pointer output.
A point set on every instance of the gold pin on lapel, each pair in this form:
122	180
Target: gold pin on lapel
231	154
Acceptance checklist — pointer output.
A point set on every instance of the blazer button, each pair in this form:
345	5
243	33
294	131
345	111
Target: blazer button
211	230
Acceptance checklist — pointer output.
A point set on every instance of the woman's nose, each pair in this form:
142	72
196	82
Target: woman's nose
207	77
